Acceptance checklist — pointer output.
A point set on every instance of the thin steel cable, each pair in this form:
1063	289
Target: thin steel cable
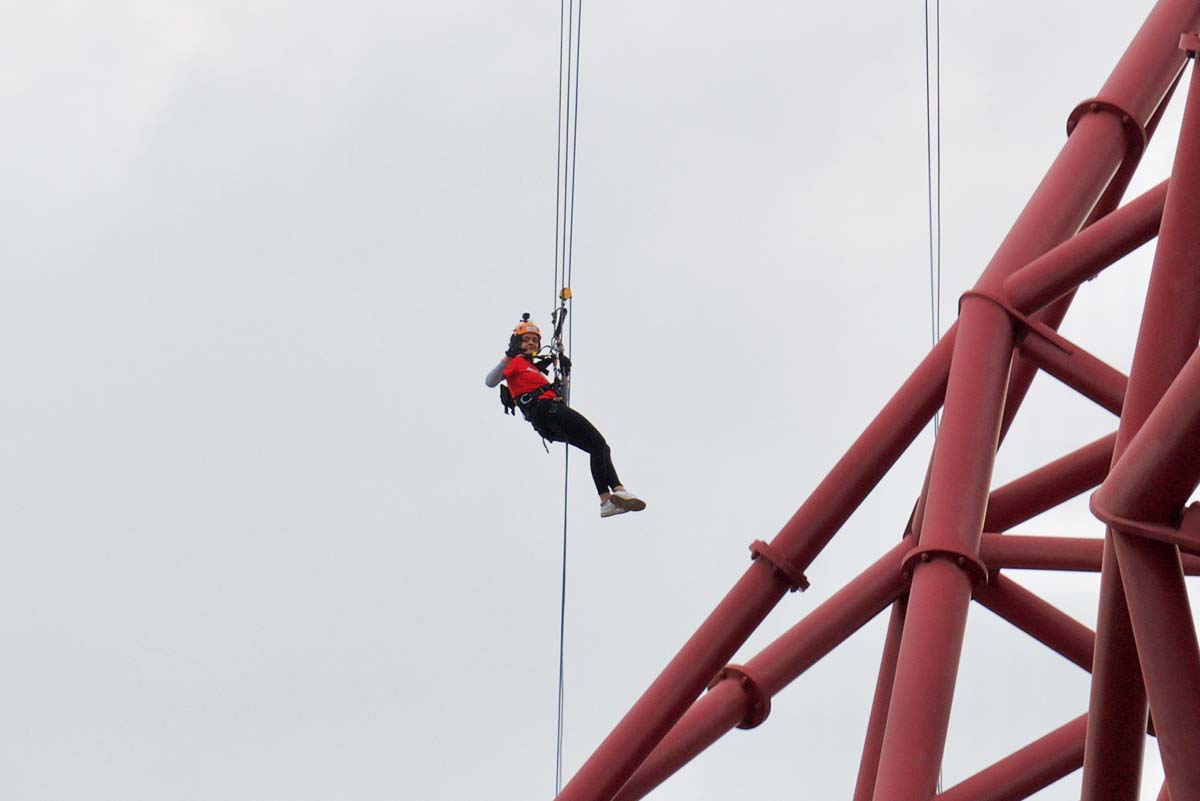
935	245
559	194
574	148
567	136
569	267
562	627
567	148
558	148
938	74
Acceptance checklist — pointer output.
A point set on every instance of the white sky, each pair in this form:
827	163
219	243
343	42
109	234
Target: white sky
268	536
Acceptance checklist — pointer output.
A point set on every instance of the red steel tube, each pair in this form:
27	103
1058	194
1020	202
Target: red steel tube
1086	254
1051	316
712	716
1165	634
776	666
871	455
1079	259
800	540
1041	553
1160	467
1154	490
1117	711
1049	485
1024	772
932	642
869	458
1023	371
1150	65
963	460
1079	554
757	592
1146	572
683	679
846	611
1120	182
864	786
919	713
1079	370
1113	761
1039	619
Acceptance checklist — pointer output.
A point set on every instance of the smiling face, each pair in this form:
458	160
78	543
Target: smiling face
530	344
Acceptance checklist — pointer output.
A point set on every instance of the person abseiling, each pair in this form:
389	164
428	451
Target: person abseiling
542	404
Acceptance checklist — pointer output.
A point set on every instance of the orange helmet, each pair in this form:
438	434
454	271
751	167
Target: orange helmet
526	327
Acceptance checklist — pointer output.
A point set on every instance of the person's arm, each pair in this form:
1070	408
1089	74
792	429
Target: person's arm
497	373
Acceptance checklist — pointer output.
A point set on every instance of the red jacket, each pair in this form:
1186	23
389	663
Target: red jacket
523	377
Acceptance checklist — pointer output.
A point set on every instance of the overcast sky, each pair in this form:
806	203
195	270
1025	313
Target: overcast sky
268	536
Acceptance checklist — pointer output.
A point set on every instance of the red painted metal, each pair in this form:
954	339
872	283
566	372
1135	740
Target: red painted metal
1117	710
1086	254
864	786
760	588
783	567
963	458
735	702
1070	230
1039	619
1077	554
1028	770
1041	553
1161	473
1077	369
1023	773
1050	485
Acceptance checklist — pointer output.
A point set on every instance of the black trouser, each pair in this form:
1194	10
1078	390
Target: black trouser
558	422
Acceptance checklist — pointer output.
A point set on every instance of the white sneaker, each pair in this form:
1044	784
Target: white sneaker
627	501
608	509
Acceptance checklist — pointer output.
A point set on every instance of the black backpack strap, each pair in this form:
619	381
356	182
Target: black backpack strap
506	399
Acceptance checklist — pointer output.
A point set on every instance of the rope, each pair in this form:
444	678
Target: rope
938	306
558	149
564	248
934	216
562	628
935	244
574	151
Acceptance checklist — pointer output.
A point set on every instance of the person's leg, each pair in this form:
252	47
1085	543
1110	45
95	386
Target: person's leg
580	432
577	430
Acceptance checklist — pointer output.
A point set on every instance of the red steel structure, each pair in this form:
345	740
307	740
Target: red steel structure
1143	656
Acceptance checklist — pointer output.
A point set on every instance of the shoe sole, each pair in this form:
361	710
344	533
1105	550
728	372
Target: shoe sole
617	510
627	504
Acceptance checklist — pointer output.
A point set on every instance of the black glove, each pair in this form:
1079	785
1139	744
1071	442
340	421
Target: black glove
564	364
514	346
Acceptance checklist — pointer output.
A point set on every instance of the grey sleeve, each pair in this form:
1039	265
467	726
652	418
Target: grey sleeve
497	373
